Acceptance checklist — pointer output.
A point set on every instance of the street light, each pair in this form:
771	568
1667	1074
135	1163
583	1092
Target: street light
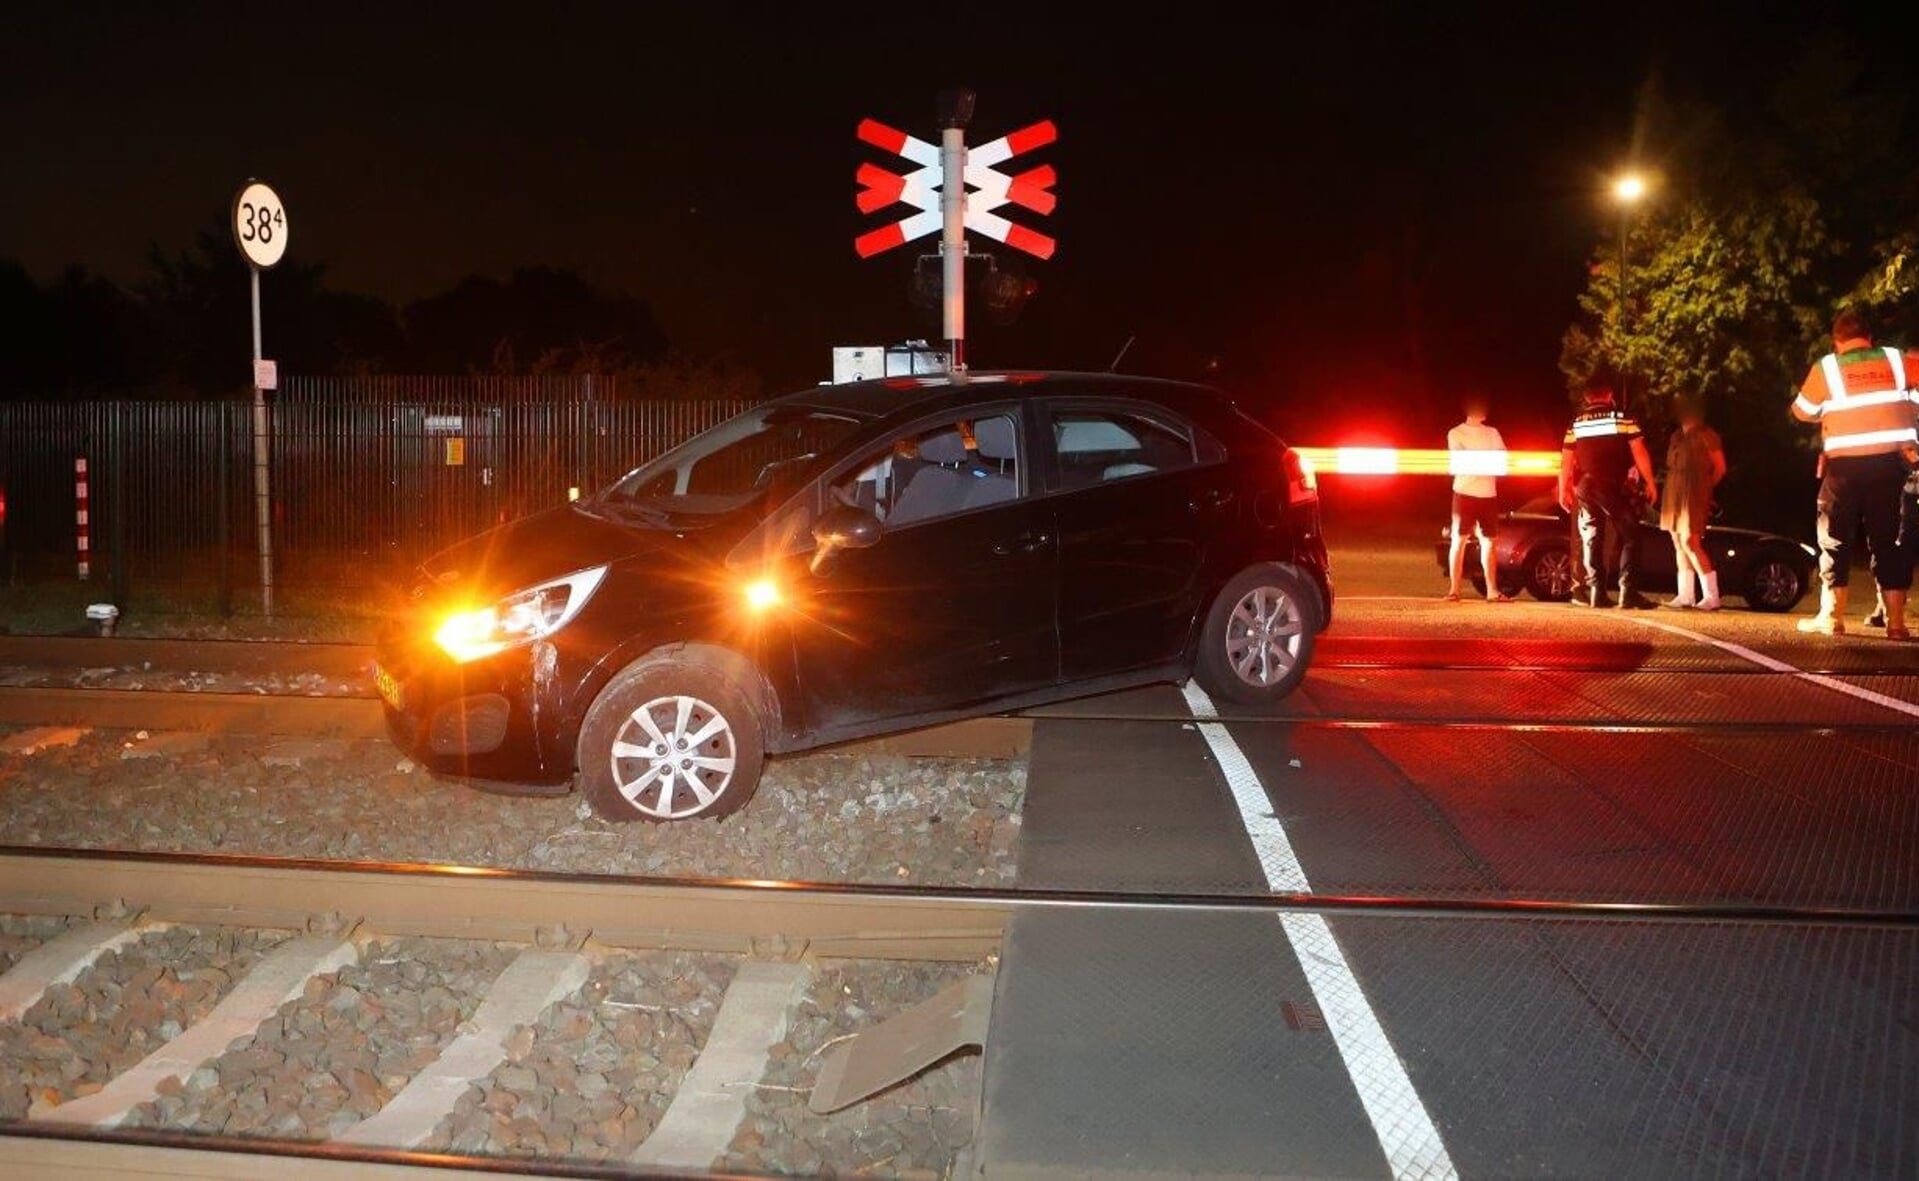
1627	189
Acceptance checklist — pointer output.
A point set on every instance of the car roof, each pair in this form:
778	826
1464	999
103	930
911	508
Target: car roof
892	396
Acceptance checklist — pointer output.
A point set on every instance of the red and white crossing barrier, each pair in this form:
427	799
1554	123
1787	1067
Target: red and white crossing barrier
1428	461
80	513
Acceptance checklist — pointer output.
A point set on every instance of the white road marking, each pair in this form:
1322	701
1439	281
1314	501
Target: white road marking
273	982
534	980
707	1109
60	960
1780	666
1413	1146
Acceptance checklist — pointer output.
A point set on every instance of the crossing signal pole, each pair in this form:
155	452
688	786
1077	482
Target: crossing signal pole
937	192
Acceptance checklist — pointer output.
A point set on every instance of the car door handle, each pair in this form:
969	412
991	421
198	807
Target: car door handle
1025	543
1212	498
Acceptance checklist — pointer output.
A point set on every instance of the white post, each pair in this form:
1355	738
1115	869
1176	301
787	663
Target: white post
262	499
953	241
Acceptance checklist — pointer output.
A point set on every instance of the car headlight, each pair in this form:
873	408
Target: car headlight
520	618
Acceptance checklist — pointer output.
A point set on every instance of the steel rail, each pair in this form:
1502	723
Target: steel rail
1482	722
209	656
70	1153
290	715
351	660
1655	665
282	714
747	916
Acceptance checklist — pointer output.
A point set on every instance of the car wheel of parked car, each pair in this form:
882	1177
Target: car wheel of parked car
673	737
1549	574
1258	637
1776	583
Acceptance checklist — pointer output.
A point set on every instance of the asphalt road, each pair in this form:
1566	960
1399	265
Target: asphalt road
1474	752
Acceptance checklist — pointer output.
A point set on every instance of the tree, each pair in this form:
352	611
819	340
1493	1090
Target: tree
1761	228
540	320
196	302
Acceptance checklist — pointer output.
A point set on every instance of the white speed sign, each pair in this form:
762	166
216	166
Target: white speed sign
260	225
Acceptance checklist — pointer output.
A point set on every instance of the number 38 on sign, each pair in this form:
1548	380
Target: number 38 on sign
260	225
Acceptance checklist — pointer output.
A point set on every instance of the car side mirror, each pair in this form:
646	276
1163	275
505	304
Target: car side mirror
843	527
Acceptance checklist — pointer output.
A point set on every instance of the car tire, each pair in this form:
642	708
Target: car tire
1549	574
1241	662
672	737
1776	583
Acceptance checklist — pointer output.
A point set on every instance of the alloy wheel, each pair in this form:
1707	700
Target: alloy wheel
1553	574
1263	636
1776	583
673	757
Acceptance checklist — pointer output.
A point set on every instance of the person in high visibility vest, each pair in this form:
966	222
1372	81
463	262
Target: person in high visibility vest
1862	399
1603	447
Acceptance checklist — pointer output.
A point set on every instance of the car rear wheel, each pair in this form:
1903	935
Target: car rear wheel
671	738
1776	583
1258	637
1549	574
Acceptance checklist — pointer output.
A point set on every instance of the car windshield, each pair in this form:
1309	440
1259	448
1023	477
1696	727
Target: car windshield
735	462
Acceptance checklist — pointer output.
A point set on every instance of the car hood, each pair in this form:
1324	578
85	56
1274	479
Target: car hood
540	548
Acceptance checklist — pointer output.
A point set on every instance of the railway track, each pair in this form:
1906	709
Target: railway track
361	1016
752	999
346	708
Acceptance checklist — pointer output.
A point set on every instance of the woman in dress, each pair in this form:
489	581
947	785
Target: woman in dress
1695	463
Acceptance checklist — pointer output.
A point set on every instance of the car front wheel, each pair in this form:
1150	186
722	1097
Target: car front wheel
1776	583
1549	574
1258	637
673	737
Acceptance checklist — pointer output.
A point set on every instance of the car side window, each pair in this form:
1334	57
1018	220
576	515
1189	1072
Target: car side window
1101	446
937	471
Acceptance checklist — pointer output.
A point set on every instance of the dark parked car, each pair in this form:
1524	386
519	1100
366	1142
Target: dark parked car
1534	552
858	559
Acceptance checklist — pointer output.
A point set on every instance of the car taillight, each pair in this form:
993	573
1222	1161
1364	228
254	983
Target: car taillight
1302	484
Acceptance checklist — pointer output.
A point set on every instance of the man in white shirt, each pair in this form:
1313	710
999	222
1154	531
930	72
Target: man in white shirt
1476	496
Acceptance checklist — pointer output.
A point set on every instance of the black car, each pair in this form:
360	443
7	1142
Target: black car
1534	552
859	559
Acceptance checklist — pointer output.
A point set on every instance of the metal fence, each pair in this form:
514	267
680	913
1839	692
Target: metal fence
381	469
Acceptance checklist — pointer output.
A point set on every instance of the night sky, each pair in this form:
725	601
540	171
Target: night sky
1334	210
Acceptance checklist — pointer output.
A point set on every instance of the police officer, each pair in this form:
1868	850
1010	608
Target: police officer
1862	399
1603	447
1908	538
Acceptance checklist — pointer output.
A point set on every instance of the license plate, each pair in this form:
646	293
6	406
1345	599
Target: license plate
389	686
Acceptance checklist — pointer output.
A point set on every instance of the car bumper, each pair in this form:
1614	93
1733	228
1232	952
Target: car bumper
491	719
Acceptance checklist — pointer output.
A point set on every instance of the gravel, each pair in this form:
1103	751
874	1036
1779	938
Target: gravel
819	817
334	1056
916	1130
592	1077
124	1007
20	934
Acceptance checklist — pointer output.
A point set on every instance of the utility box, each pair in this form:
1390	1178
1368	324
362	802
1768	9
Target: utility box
872	362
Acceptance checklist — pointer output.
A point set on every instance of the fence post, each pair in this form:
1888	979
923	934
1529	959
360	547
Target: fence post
118	461
82	524
583	477
223	510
